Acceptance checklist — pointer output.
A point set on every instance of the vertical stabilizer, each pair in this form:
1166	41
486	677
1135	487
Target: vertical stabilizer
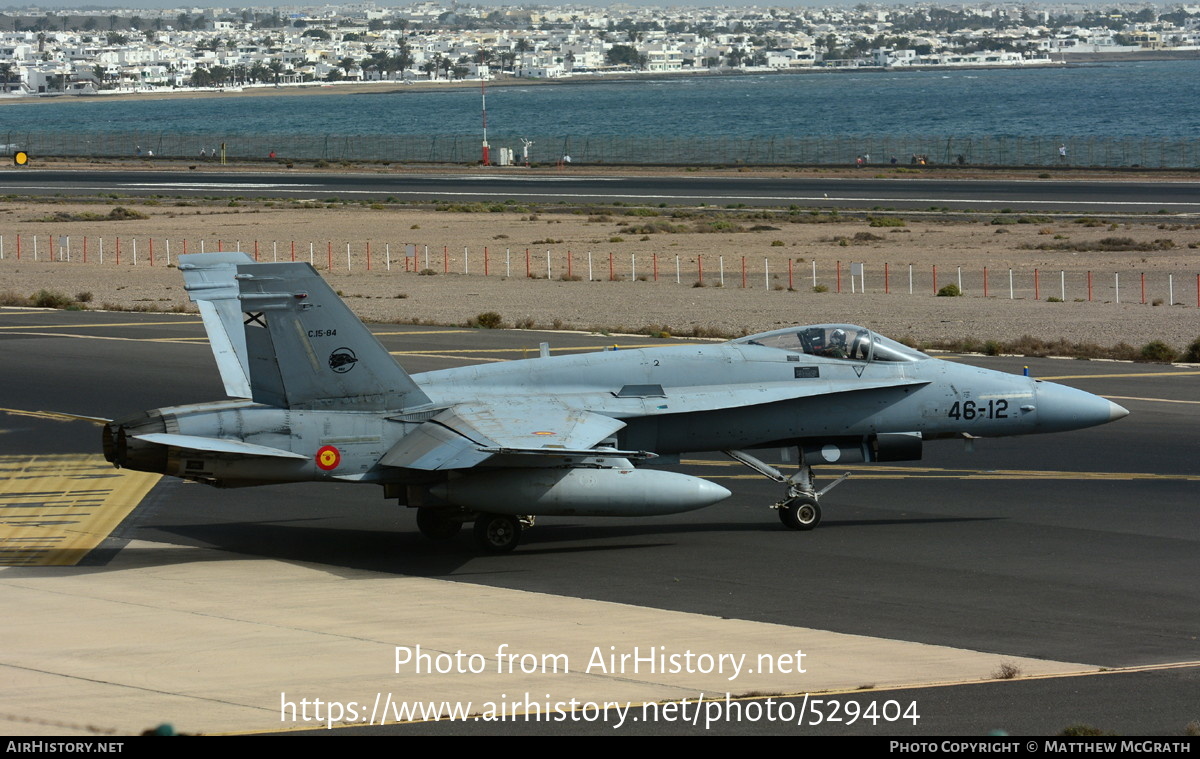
210	283
306	349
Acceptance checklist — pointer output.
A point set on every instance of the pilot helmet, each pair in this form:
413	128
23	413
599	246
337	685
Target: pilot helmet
838	337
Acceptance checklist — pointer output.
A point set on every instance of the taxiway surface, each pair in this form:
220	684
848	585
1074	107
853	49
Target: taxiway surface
1078	548
576	186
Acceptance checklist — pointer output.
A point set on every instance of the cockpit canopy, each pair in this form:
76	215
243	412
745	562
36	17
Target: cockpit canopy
843	341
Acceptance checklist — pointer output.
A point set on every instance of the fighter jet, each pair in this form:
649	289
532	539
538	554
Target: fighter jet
315	397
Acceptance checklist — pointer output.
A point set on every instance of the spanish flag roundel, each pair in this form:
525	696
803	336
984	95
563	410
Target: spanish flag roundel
328	458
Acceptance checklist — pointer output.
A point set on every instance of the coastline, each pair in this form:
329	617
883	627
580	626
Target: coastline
422	85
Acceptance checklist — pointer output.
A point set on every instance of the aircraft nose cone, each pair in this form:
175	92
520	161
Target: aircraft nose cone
1062	408
1116	412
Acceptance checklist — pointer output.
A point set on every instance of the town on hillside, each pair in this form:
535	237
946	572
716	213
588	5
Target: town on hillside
50	53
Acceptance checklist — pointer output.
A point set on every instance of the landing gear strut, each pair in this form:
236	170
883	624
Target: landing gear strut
500	533
800	509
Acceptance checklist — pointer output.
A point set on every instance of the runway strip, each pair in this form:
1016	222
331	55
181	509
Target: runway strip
216	642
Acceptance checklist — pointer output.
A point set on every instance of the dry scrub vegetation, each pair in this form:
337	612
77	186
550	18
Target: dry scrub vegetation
701	239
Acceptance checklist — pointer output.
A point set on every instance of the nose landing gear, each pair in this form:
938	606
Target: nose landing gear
800	509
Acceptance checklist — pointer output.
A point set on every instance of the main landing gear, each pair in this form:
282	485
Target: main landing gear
495	533
800	509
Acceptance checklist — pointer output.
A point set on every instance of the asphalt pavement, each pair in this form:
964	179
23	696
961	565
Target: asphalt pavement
875	189
1078	547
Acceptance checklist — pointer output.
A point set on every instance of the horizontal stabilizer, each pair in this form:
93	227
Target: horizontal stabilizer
216	445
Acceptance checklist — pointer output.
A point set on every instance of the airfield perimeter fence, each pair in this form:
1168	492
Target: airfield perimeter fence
752	272
1041	151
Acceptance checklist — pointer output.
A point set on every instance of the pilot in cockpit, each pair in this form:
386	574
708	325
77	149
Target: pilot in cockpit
837	345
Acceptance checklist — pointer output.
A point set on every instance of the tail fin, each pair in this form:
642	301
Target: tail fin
209	279
303	348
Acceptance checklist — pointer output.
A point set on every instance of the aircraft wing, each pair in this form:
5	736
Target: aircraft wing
468	434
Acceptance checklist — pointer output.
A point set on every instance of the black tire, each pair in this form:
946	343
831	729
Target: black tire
436	524
497	533
801	513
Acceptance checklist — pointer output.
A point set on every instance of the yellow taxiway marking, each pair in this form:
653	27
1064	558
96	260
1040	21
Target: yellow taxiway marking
1109	376
881	472
1135	398
52	415
55	509
186	340
96	326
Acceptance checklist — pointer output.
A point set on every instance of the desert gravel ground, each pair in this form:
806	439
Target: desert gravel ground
629	304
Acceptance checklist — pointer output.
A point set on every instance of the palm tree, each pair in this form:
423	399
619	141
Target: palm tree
276	67
259	73
6	70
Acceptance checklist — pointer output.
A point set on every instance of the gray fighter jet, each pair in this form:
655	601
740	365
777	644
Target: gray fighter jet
315	397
